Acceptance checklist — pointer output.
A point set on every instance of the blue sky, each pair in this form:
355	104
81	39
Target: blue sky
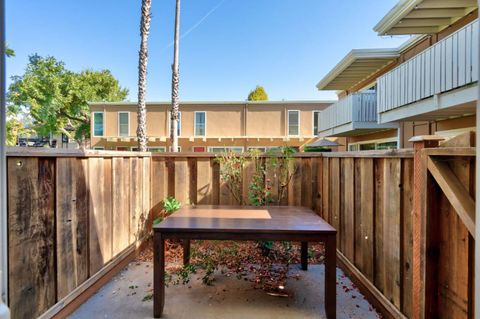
285	45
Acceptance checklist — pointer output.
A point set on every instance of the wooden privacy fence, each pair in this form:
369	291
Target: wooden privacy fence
71	218
445	229
368	199
195	179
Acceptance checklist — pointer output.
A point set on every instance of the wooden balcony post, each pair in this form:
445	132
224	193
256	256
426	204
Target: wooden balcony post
419	221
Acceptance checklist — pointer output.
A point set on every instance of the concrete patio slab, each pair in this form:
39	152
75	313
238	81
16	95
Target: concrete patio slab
227	298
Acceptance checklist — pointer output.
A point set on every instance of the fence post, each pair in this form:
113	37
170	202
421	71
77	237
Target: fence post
419	221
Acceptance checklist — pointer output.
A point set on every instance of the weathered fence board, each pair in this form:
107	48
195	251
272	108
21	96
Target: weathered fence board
120	204
347	207
72	224
364	216
159	183
379	258
407	237
31	242
204	182
454	271
100	213
391	230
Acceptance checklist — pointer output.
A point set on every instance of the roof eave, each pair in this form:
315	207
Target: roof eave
351	57
399	11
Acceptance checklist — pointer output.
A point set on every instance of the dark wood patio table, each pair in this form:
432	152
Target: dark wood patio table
282	223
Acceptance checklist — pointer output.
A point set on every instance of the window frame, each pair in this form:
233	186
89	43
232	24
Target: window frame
262	149
318	123
179	128
195	146
103	124
149	149
288	123
119	125
195	123
98	148
226	148
376	142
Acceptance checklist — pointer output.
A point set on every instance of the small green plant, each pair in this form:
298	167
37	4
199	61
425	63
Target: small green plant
259	189
171	205
231	173
282	165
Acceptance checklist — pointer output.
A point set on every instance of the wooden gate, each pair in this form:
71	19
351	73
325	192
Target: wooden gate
444	226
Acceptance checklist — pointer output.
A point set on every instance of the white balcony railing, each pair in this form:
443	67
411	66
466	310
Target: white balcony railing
448	64
357	107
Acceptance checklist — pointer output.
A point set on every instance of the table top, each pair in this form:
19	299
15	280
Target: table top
245	219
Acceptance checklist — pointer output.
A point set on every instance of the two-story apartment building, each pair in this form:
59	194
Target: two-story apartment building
208	126
426	86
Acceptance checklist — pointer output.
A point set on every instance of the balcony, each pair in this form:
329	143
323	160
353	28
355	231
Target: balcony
438	83
353	115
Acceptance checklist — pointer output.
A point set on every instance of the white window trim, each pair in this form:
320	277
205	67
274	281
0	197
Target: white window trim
313	122
288	123
169	114
118	123
377	141
209	149
157	147
103	124
195	123
98	148
257	147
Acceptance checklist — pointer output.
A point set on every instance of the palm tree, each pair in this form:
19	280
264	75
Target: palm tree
142	75
175	80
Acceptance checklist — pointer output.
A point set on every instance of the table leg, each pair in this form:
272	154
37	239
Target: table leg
158	274
331	277
304	255
186	251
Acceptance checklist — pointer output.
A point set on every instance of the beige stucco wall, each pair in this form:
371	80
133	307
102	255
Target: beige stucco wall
264	123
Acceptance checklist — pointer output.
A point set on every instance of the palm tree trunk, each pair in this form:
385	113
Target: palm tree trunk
175	80
142	75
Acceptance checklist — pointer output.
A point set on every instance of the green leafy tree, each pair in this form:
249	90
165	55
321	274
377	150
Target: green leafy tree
258	94
16	128
57	98
9	52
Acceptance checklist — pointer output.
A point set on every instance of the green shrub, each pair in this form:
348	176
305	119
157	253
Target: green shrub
171	205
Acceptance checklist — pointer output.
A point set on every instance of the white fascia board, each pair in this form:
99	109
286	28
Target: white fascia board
397	13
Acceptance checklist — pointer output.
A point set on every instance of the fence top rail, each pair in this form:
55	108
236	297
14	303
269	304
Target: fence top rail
214	155
53	152
401	153
45	152
451	151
